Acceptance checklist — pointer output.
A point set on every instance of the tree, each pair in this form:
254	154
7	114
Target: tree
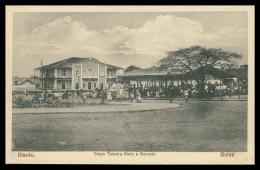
131	68
198	61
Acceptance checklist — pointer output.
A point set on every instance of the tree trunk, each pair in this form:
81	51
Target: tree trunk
202	79
202	92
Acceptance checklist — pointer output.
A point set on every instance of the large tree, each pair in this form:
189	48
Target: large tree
198	61
131	68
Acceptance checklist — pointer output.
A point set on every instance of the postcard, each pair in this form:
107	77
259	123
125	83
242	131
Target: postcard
130	85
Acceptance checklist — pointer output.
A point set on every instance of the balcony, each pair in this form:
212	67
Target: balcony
89	77
46	77
111	77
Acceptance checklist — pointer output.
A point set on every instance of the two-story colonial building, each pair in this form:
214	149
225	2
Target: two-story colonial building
78	73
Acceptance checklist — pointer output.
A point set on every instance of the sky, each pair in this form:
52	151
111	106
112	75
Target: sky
121	39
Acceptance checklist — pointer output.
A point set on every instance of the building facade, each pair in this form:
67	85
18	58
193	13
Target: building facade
78	73
153	77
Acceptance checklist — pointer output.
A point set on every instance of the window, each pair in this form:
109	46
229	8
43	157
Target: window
63	86
84	84
76	72
43	73
45	85
63	72
90	72
95	84
102	72
95	73
84	73
47	74
110	74
77	85
89	85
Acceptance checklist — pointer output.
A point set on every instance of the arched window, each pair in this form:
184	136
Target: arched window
89	85
95	73
102	72
84	73
63	72
90	72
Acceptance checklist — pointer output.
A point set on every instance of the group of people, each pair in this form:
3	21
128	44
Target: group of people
122	95
132	93
170	92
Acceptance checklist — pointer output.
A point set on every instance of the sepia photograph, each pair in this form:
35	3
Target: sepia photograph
130	84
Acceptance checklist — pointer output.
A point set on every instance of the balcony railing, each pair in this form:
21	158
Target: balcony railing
47	77
89	77
114	76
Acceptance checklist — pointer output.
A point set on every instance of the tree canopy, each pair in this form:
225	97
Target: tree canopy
197	57
131	68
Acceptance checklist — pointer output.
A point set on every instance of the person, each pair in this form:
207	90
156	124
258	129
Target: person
139	98
170	94
94	94
157	94
103	96
238	91
44	95
229	92
125	95
132	96
109	95
119	95
186	94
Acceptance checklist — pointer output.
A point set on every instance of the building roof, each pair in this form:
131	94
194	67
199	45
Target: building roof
111	66
20	81
67	63
189	75
144	72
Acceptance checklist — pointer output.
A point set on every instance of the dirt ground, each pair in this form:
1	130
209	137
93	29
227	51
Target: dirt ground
197	126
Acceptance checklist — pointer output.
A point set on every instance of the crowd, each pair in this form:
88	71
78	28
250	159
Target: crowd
208	91
131	94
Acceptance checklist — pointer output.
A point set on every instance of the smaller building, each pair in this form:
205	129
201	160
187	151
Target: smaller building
27	83
153	77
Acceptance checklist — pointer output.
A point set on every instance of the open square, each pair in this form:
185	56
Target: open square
196	126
